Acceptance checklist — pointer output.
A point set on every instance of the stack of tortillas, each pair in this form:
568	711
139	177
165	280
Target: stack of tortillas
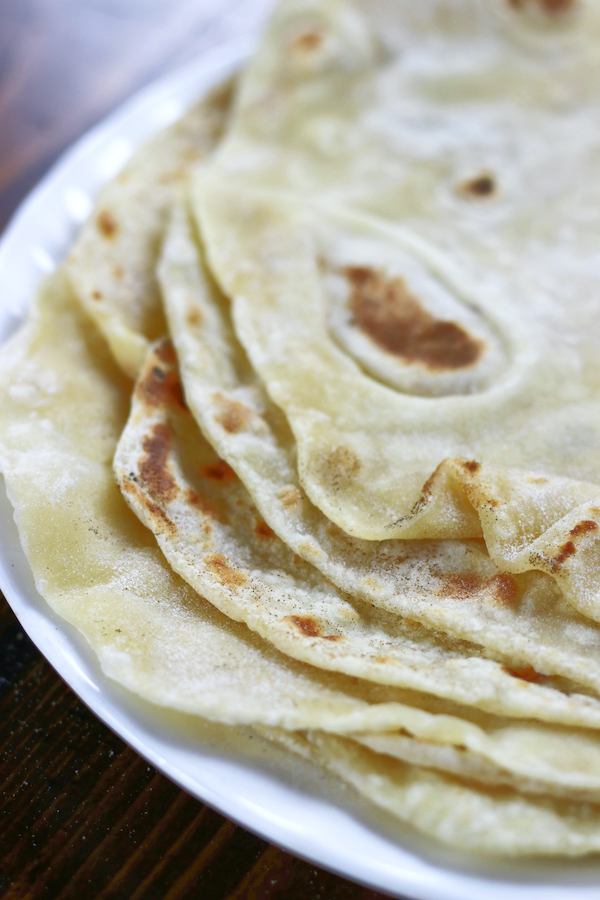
359	294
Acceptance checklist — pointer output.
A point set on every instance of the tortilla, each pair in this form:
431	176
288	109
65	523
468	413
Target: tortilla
212	535
451	586
454	811
382	205
306	628
63	406
112	261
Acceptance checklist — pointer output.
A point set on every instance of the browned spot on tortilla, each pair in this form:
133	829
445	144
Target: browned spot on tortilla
381	658
309	626
290	496
194	315
428	486
471	465
130	487
161	388
540	480
166	352
340	465
584	527
153	467
158	512
218	471
426	492
550	6
233	416
307	41
461	586
204	505
224	573
107	224
594	511
526	673
118	272
309	549
502	587
262	529
396	321
221	98
566	551
481	187
97	295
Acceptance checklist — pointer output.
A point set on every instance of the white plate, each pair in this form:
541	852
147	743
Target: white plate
282	799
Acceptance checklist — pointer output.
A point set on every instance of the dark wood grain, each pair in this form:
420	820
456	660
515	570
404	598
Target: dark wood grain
81	815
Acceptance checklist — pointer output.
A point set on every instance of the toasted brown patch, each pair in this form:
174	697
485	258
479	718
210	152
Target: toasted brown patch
160	388
130	487
221	98
584	527
204	505
290	496
158	513
386	311
566	551
309	626
526	673
194	316
166	352
504	587
482	187
308	548
340	465
307	41
153	467
233	416
471	465
461	586
219	471
262	529
428	486
118	272
97	295
224	573
540	480
107	225
501	587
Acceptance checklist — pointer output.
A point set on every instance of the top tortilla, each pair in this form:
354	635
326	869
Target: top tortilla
404	215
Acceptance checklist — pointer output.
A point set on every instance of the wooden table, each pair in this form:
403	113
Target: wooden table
81	815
